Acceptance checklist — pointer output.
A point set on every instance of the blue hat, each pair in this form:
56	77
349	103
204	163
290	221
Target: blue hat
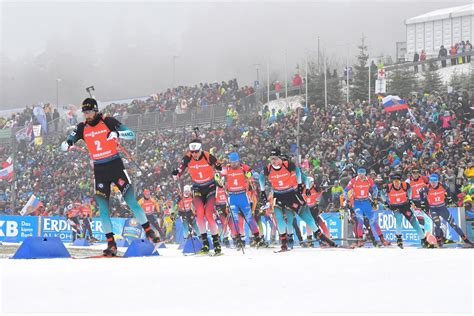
434	177
234	157
361	171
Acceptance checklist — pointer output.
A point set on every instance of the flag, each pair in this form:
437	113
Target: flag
31	206
416	127
6	173
394	103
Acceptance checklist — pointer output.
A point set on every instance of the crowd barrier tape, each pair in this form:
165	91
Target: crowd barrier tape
18	228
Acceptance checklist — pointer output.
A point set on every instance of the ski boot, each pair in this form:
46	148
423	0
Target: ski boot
291	241
284	242
360	243
205	245
260	241
447	241
239	243
440	242
217	244
253	242
226	242
467	242
425	243
304	244
150	233
399	241
384	241
309	240
111	250
323	238
93	239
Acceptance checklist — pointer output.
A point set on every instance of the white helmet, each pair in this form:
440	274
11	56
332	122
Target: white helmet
195	146
187	189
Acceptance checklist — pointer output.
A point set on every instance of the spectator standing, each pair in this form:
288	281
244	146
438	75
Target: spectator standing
416	58
443	52
468	49
423	59
460	50
56	119
277	89
452	52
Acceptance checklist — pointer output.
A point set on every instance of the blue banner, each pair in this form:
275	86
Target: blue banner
17	228
387	224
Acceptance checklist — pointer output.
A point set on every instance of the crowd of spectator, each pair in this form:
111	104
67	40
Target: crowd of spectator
185	98
334	141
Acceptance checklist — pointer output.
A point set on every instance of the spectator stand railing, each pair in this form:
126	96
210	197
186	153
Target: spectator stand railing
428	61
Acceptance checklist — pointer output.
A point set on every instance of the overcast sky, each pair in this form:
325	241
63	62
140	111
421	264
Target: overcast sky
126	49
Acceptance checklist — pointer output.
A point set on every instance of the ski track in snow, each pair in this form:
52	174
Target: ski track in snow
303	281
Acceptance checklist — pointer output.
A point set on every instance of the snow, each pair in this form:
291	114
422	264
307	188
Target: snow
447	72
445	13
303	281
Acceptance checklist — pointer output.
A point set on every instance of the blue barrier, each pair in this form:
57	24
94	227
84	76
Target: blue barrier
81	242
123	242
41	248
141	248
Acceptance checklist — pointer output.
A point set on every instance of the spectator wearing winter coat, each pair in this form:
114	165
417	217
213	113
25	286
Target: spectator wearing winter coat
416	58
453	52
443	52
277	89
423	58
468	49
460	50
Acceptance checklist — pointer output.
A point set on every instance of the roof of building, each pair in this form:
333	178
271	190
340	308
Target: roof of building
440	14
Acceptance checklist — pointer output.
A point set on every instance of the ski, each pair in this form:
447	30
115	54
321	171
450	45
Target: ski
281	250
99	257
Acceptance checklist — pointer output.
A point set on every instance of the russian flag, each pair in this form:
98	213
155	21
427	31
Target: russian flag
394	103
32	205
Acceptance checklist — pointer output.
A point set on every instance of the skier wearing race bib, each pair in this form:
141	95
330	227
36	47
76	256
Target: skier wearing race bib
151	206
397	197
286	184
434	197
186	212
236	184
101	133
362	186
201	166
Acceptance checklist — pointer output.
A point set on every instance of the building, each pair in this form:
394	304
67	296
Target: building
440	27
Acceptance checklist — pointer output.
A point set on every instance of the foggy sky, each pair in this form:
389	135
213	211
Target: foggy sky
126	49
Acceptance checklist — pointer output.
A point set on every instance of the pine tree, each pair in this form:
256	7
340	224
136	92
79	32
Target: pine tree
361	81
402	82
471	79
459	81
316	89
432	80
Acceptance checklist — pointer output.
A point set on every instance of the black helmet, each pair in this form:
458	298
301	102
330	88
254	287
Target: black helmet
90	104
275	152
396	176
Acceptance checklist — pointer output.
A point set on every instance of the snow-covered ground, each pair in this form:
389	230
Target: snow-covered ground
303	281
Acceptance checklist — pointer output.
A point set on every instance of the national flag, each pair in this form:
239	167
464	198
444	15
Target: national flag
6	173
31	206
394	103
416	126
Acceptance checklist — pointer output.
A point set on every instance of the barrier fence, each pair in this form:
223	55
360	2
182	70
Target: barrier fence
17	228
